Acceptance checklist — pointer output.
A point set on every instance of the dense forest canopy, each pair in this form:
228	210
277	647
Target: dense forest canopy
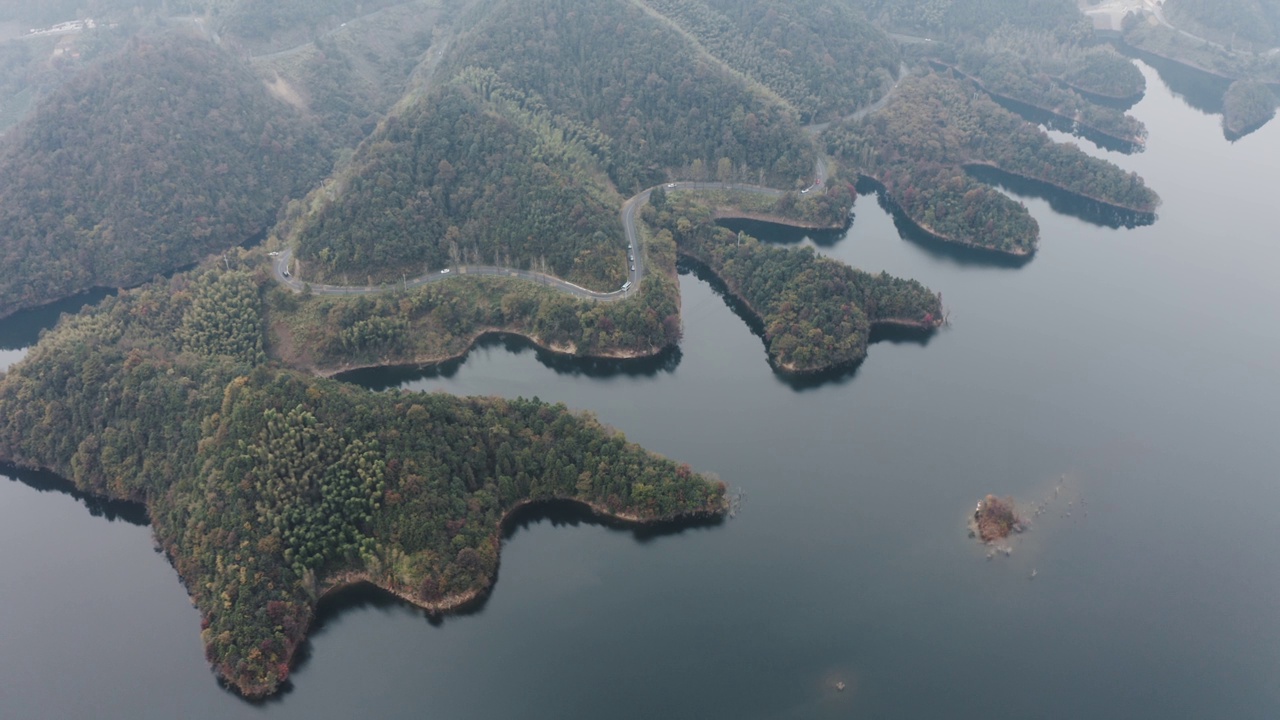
466	176
146	162
198	395
500	165
814	313
1012	75
664	107
1247	104
1040	53
266	486
824	58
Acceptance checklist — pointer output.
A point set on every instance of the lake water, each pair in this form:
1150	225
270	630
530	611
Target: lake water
1137	369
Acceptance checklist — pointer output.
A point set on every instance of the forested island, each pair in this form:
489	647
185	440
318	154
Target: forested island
267	487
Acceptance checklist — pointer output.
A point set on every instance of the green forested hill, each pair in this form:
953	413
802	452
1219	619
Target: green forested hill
504	161
146	162
663	106
824	58
815	314
452	179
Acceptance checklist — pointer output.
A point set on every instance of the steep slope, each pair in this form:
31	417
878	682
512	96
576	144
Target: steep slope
349	78
663	105
144	163
467	177
504	161
824	58
264	27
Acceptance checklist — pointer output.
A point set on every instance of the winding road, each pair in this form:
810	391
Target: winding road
283	261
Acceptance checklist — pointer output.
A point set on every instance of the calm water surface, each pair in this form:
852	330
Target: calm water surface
1144	365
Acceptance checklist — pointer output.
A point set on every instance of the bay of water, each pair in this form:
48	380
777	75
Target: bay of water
1139	369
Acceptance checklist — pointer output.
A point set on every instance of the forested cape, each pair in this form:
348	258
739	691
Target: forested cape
918	146
141	164
813	313
1247	105
267	487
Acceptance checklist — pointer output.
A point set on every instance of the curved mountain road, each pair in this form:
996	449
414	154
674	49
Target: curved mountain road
283	262
281	268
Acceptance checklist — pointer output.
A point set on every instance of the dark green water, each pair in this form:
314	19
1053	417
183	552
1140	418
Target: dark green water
1143	364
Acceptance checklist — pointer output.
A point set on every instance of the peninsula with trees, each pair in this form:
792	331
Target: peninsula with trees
267	487
918	148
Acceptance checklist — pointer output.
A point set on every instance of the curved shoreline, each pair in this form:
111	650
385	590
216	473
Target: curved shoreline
901	213
731	213
1119	102
755	321
1085	129
1047	184
1140	50
424	362
343	579
430	361
462	601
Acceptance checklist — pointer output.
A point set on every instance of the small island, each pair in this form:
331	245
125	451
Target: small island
995	519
